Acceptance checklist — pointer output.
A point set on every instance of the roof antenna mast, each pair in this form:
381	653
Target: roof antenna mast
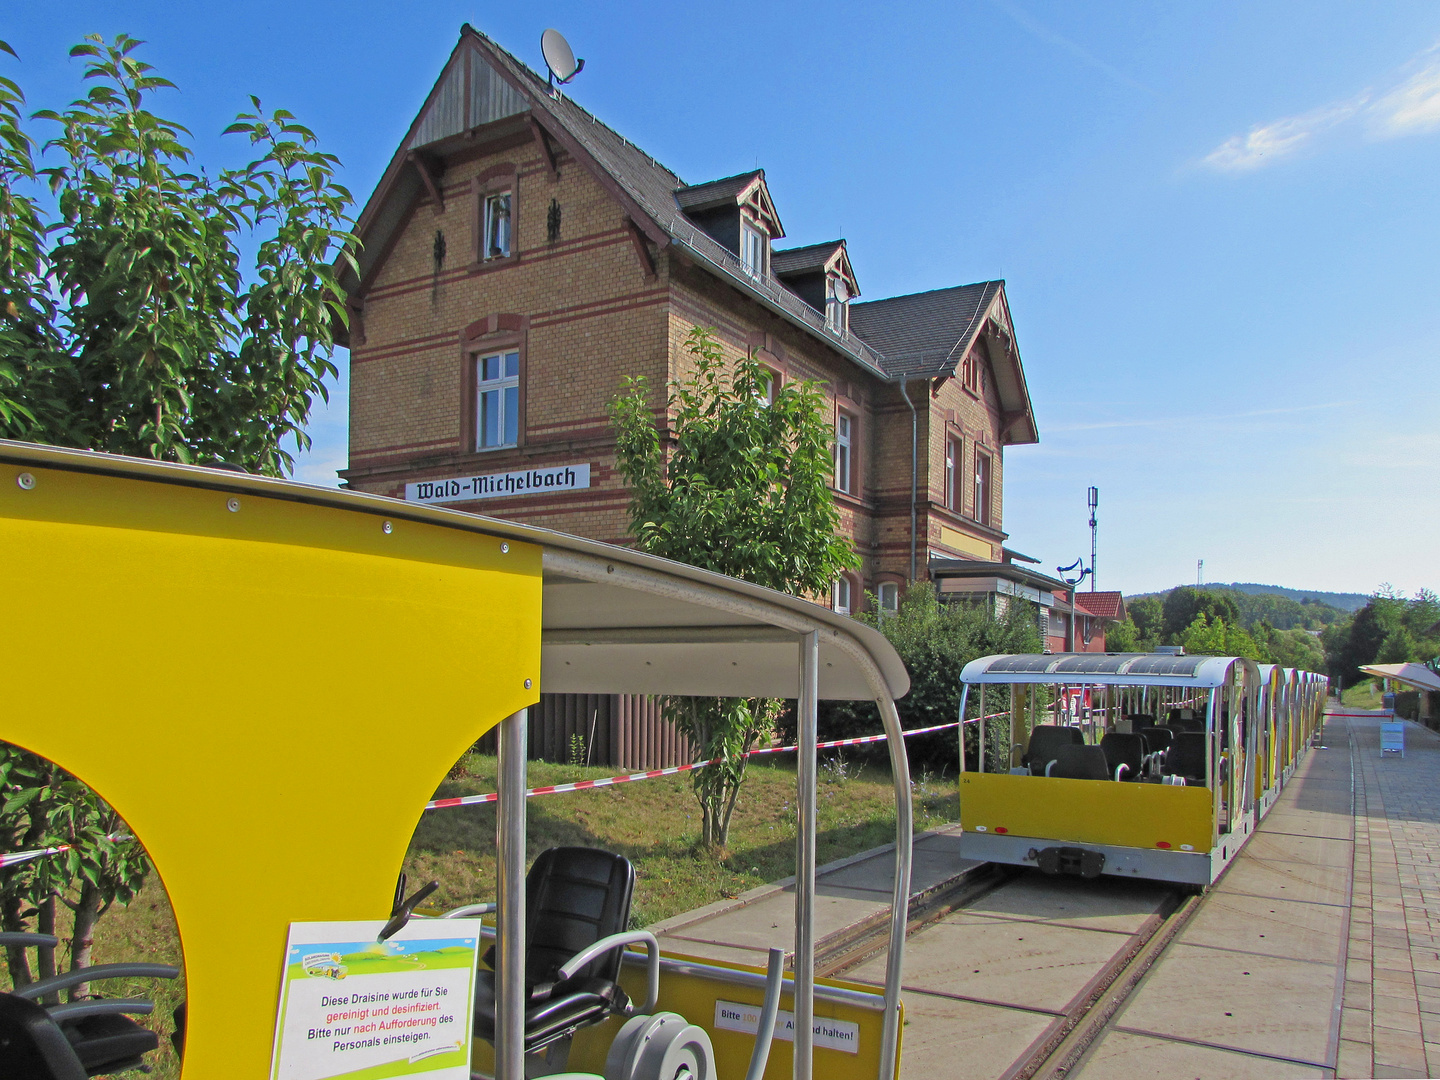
1094	502
560	59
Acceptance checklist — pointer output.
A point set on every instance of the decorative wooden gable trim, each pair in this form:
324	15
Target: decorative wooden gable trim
839	266
755	199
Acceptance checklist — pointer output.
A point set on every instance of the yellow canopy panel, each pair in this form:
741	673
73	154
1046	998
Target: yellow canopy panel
268	680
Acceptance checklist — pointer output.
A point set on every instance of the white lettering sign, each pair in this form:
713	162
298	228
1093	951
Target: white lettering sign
500	485
831	1034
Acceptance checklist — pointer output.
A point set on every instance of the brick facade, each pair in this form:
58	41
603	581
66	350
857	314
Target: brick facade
598	299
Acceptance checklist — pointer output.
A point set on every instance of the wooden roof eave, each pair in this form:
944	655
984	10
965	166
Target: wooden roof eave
389	180
556	129
1017	415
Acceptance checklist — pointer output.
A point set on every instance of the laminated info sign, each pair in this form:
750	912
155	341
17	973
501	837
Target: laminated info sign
352	1007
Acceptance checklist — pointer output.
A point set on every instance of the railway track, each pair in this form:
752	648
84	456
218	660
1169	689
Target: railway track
979	899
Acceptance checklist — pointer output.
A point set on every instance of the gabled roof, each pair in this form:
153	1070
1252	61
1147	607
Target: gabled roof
724	192
746	189
482	84
831	256
927	335
644	187
1102	605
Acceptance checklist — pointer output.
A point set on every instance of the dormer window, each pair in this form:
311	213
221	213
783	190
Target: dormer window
754	250
837	304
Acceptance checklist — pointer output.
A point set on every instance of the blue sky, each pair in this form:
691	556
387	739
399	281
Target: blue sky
1219	223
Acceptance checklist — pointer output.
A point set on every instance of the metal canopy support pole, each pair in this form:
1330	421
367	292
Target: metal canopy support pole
510	897
805	855
900	897
589	568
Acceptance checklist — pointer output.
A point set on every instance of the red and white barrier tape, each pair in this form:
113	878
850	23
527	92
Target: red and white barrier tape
11	858
582	785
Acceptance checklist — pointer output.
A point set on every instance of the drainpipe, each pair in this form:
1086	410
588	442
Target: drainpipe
914	470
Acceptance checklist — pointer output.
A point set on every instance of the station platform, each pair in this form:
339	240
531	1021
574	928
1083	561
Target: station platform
1316	954
852	900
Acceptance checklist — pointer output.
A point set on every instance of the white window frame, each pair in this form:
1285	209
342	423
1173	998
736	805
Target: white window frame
504	250
887	598
954	455
765	391
497	386
837	307
754	249
984	478
841	596
844	452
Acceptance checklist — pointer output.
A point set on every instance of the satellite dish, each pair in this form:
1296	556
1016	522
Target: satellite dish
559	58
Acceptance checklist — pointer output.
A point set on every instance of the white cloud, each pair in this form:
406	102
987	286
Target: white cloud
1267	143
1410	107
1413	107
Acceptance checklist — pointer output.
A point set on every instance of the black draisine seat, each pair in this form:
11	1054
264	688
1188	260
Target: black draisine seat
574	897
1157	739
1187	756
32	1045
1080	762
1045	740
101	1037
1123	748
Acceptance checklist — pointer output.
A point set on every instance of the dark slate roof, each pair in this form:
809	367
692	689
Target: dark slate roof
649	191
812	257
924	334
653	188
715	192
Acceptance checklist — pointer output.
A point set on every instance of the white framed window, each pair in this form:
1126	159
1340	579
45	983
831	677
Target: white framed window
497	400
844	435
754	250
888	598
765	387
837	307
952	474
840	598
497	226
982	487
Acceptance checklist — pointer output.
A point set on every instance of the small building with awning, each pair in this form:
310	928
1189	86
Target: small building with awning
1416	676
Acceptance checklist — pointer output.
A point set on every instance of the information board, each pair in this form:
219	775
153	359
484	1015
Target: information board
354	1007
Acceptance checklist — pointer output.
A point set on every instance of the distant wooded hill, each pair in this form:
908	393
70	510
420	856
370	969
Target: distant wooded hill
1282	608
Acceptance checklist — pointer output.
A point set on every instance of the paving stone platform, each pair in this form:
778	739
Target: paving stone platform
849	892
1318	952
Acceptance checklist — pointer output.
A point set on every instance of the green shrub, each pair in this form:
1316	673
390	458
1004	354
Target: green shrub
935	640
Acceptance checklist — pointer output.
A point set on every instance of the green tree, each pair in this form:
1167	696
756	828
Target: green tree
1148	615
131	323
740	485
1216	637
1182	605
1399	647
935	640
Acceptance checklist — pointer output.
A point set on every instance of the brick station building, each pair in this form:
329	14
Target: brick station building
521	258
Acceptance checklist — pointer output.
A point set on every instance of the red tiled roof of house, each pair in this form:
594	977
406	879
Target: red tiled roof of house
1102	605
